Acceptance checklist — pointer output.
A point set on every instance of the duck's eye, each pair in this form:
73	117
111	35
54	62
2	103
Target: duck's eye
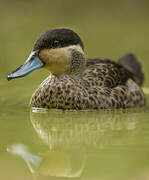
55	43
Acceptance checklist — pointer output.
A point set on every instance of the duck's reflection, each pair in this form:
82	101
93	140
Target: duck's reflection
70	135
51	163
68	130
33	161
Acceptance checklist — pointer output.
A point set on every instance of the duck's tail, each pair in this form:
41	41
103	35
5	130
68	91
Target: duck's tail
132	64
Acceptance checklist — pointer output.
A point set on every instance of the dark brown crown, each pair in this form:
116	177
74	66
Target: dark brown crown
57	38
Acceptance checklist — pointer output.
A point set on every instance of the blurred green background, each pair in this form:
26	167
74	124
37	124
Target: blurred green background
108	28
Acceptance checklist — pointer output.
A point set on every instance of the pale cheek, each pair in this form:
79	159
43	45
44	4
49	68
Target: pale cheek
44	57
51	56
57	62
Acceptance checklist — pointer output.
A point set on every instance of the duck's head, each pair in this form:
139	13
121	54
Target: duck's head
59	50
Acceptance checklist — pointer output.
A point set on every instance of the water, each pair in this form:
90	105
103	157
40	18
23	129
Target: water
39	145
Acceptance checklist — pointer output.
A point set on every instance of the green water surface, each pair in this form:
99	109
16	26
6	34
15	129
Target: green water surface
40	144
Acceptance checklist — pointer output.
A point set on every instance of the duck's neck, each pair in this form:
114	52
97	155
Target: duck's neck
77	61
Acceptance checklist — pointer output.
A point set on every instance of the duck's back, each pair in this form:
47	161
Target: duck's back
106	73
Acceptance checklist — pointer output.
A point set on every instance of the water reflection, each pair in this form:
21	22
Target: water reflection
65	130
71	137
51	163
33	161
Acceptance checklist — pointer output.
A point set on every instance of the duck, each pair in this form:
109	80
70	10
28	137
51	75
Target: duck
79	83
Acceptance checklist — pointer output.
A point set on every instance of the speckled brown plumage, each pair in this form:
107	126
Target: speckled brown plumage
102	85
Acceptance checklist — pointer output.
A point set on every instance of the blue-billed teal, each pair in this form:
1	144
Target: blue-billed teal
79	83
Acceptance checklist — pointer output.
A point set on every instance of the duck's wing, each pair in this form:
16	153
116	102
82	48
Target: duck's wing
104	72
127	67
